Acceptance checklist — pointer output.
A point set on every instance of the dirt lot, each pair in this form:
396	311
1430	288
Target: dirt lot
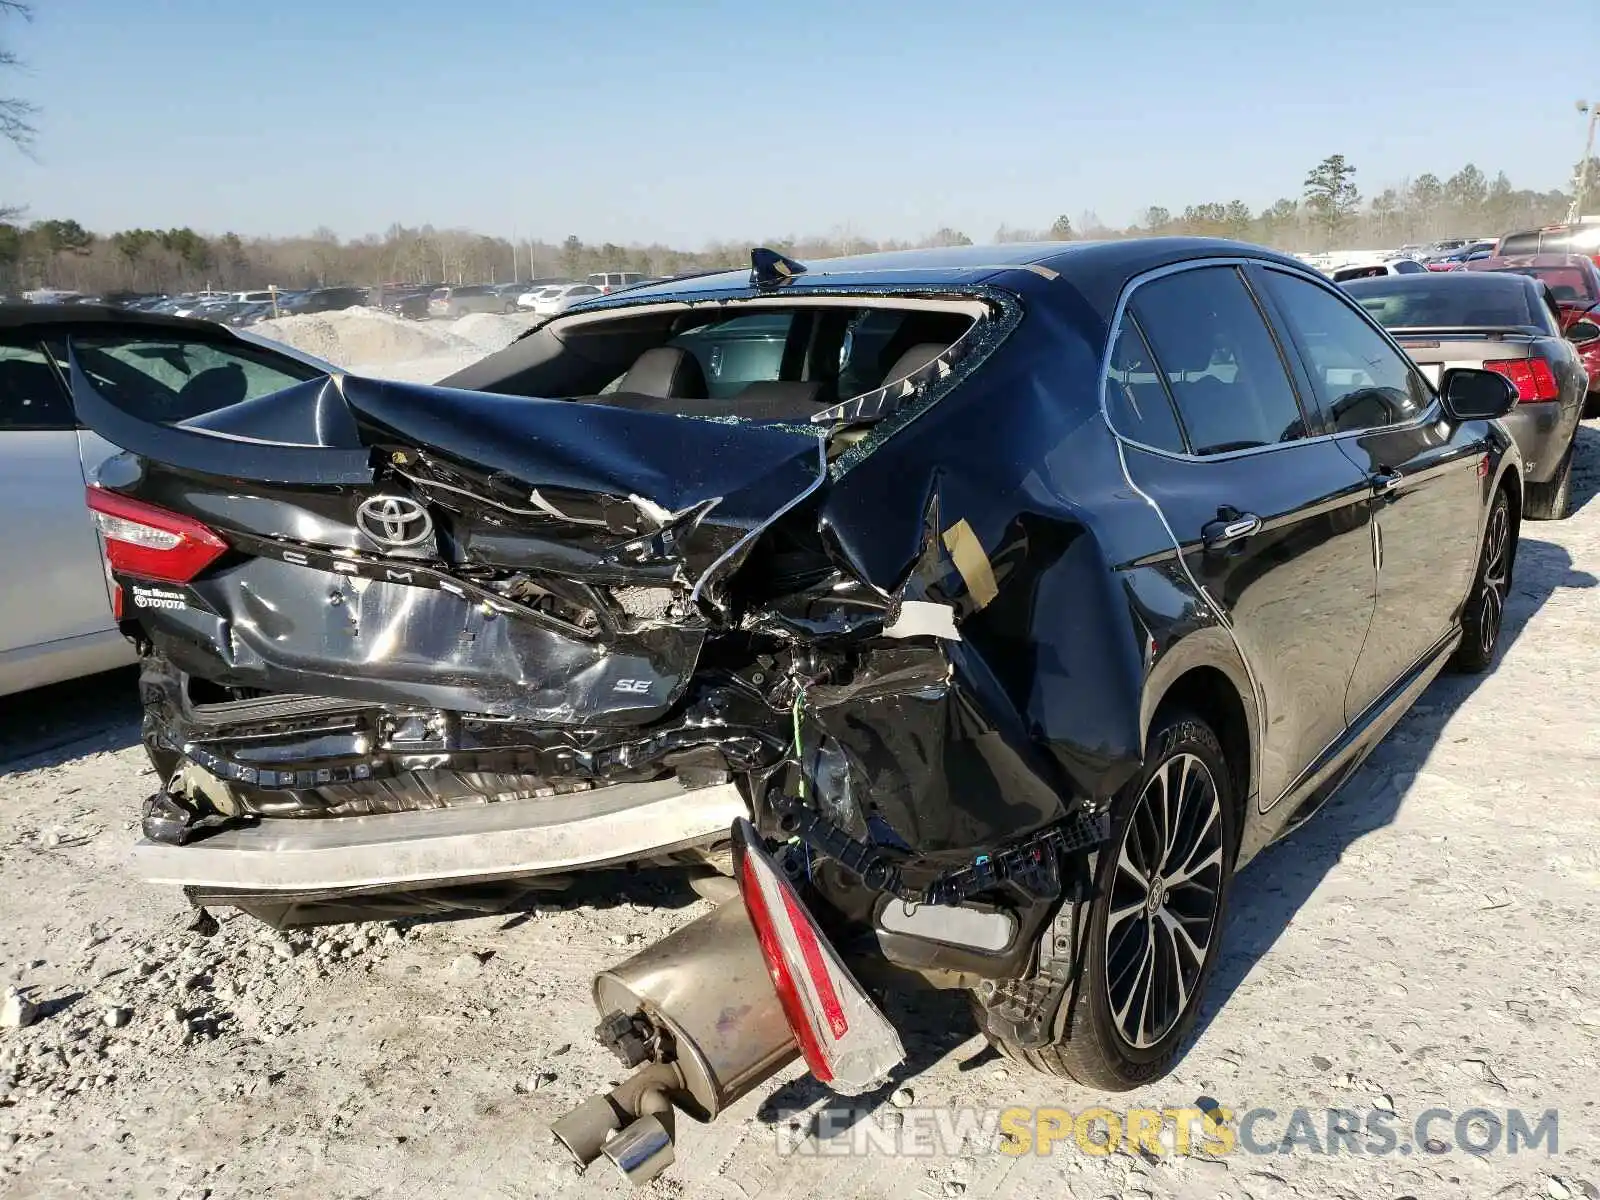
1427	942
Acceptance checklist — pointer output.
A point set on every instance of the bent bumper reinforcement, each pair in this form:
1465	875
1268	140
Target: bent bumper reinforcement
452	845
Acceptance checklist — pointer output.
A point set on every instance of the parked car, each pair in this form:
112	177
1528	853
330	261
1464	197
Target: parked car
1393	266
1508	323
529	298
1029	594
1574	281
462	299
1582	238
610	281
242	315
320	300
406	300
560	297
508	293
1456	259
191	304
57	620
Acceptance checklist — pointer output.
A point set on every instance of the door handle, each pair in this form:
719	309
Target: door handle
1230	527
1384	482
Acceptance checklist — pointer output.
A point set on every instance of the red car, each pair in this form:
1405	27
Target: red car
1574	281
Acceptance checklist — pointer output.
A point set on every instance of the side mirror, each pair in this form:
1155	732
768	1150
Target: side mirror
1471	394
1582	332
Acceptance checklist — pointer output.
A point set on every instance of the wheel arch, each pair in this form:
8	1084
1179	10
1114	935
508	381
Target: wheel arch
1511	480
1204	676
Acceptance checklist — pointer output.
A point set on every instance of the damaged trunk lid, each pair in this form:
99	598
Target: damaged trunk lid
515	558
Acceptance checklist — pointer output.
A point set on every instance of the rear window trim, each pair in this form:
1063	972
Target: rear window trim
996	312
853	409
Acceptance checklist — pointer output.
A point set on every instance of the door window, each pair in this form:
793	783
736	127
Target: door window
168	379
31	396
1360	380
1220	361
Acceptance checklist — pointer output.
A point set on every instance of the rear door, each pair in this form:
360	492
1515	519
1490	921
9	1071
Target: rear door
1421	471
1272	521
55	582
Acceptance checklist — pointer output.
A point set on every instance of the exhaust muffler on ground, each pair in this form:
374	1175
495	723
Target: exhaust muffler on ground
718	1007
697	1014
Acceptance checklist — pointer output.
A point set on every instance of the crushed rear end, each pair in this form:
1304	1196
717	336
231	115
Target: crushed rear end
403	642
400	638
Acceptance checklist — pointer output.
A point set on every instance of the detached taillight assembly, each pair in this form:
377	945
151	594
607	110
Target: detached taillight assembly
151	542
846	1041
1533	377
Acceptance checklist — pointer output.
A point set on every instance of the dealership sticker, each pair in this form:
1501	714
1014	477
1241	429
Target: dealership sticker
149	597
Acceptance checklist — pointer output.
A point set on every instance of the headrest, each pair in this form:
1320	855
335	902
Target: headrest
915	359
665	371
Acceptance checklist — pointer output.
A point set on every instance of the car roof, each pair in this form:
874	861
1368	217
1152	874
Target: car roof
1099	269
34	316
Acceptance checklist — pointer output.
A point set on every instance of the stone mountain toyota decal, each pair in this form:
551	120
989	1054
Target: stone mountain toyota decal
395	521
154	597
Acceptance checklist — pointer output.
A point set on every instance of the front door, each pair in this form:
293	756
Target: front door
1271	523
1422	474
55	585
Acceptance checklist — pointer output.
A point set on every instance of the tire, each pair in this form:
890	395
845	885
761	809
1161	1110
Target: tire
1591	405
1485	609
1114	1038
1552	500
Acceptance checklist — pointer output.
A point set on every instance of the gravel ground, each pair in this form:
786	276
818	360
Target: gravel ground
1426	942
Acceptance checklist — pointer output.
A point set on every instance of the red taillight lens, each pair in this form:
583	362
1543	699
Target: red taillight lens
846	1041
1533	377
151	542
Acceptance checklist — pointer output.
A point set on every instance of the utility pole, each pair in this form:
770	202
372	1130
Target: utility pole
1575	214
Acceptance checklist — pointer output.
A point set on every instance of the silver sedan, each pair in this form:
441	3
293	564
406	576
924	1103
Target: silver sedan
56	607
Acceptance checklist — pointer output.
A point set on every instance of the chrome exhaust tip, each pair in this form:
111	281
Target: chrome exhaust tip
641	1150
585	1130
637	1143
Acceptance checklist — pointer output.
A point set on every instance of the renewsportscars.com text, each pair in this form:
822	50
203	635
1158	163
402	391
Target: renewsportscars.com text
1215	1131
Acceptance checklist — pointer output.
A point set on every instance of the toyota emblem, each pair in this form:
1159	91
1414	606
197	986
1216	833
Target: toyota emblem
394	521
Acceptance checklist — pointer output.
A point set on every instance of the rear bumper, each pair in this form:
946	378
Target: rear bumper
449	846
1542	431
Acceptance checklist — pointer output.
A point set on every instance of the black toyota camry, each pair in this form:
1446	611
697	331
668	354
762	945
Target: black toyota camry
992	606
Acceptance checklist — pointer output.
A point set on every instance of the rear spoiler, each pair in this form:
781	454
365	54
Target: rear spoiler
1450	333
320	404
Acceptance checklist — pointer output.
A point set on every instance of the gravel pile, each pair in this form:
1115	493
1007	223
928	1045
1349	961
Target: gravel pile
373	342
364	336
490	331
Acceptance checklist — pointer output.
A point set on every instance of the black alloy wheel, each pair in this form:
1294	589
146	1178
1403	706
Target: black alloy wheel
1153	927
1485	610
1165	896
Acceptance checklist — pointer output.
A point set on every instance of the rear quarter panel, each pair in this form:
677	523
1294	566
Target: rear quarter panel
1051	671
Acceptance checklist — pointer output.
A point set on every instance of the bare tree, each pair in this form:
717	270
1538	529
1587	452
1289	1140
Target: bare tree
16	115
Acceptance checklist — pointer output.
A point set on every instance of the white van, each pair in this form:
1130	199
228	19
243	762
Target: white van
610	281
